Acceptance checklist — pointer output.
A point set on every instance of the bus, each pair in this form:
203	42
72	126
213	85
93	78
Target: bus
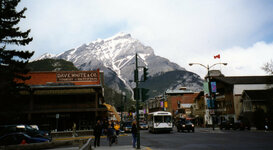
160	121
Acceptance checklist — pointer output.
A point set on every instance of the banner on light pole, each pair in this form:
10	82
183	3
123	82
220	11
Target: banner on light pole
206	87
213	87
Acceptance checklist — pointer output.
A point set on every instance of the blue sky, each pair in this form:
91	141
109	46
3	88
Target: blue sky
181	31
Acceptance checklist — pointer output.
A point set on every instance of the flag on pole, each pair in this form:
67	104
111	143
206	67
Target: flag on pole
217	56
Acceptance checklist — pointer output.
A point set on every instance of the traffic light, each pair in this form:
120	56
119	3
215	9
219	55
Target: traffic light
145	73
136	93
144	94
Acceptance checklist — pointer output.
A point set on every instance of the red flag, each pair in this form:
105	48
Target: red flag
217	56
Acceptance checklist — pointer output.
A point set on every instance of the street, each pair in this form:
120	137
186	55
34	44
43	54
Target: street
203	138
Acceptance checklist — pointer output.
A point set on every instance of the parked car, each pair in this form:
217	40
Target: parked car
127	126
226	125
184	124
20	138
6	129
143	126
241	125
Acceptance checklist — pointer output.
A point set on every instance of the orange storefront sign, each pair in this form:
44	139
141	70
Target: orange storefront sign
76	77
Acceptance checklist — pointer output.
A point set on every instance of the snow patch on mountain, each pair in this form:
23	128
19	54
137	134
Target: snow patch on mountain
117	54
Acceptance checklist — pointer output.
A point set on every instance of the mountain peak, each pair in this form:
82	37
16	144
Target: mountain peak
44	56
115	56
120	35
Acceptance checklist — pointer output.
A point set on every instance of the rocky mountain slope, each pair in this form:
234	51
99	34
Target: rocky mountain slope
116	57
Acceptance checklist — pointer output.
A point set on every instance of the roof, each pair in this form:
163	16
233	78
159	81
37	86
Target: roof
178	91
62	90
200	94
245	79
259	94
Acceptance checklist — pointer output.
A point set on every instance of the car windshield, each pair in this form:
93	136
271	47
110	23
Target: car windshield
167	119
158	119
188	121
128	124
29	127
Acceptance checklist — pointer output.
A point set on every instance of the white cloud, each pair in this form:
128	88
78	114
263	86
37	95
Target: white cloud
182	31
241	61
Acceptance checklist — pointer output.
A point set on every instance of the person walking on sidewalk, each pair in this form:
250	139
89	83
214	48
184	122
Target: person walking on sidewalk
117	128
97	133
134	133
74	134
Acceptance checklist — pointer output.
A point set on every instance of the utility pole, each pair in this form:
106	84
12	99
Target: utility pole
137	105
121	108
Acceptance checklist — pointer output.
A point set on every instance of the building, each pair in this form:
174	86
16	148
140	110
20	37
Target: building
199	108
180	102
154	104
229	92
257	100
56	100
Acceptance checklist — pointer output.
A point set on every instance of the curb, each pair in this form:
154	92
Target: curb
80	138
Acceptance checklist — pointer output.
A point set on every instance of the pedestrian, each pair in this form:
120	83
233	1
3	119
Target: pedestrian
111	135
134	133
117	128
266	124
112	123
105	127
74	134
97	133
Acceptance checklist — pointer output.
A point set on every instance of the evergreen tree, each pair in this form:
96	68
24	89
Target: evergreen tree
12	62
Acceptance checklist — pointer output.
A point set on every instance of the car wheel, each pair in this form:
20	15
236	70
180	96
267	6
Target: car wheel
192	130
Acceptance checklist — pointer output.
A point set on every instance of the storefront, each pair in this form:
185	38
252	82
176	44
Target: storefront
56	100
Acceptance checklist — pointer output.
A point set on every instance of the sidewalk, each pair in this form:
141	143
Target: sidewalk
124	147
79	137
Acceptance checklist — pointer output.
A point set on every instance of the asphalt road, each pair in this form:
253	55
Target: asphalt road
203	139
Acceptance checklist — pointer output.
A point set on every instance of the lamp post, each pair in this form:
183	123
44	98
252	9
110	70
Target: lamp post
208	67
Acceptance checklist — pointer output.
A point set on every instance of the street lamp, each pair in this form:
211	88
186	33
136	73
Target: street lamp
208	67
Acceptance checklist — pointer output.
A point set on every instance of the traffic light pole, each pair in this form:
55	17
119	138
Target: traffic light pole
137	106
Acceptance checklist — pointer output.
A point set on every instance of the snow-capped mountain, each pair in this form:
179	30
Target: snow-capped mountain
116	57
44	56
